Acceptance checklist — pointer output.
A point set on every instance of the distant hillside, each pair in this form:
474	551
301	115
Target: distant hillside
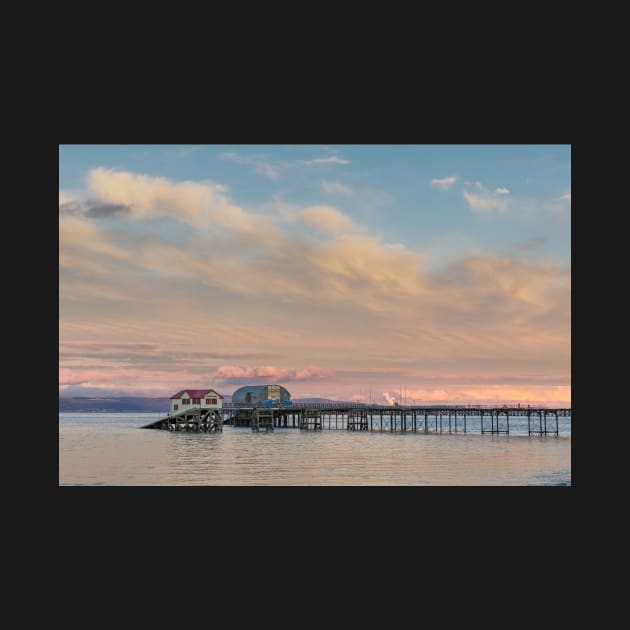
125	403
314	400
141	403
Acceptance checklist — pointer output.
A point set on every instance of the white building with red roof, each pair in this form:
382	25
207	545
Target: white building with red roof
195	399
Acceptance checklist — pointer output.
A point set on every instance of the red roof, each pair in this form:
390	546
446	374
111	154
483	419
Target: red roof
195	393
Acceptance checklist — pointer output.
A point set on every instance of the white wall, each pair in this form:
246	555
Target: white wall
178	402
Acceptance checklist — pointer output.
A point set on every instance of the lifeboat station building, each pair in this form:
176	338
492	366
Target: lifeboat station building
187	399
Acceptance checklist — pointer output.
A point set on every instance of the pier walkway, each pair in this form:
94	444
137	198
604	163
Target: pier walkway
357	417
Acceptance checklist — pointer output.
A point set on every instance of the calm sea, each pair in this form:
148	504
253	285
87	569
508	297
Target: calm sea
110	449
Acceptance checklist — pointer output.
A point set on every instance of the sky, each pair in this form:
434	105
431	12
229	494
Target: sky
413	273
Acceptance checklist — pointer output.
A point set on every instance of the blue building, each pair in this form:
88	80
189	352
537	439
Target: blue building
261	396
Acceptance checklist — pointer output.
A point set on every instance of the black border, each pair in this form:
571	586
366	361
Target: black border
344	519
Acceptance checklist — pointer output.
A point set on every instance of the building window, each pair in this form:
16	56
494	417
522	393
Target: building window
213	401
175	407
196	401
185	401
208	401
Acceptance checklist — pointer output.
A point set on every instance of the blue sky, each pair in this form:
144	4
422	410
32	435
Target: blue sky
386	187
457	257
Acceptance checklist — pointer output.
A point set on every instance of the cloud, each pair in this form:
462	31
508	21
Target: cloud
70	208
326	218
236	374
91	377
565	197
445	182
107	210
336	187
485	201
86	247
328	160
268	168
273	169
531	245
501	191
492	394
93	208
203	205
144	309
154	196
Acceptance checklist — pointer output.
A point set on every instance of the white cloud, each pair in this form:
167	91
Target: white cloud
329	160
261	166
501	191
444	182
486	201
567	196
274	168
336	187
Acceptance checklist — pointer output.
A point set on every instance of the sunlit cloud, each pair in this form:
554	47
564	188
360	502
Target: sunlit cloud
502	191
326	218
234	374
226	294
154	196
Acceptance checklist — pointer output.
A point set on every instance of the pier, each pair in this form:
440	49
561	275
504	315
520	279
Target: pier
541	421
206	420
262	418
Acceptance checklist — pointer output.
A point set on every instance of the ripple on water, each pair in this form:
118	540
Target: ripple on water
118	453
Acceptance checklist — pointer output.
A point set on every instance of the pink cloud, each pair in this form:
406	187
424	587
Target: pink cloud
312	374
81	377
270	372
494	394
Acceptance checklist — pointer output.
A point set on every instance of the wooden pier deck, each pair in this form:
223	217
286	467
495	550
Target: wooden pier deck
541	421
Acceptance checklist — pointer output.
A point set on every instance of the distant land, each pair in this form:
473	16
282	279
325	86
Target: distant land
138	403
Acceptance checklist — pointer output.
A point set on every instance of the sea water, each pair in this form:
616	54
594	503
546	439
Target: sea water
112	449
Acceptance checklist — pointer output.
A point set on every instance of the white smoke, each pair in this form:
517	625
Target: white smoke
390	399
